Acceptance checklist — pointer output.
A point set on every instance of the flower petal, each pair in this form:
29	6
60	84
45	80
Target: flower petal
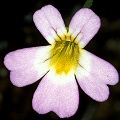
48	20
58	94
27	65
99	68
27	57
86	23
92	87
28	76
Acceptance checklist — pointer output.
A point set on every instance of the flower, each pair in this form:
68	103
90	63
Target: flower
62	63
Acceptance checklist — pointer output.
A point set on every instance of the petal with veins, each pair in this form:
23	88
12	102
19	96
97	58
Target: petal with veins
27	65
27	57
48	19
86	23
99	68
58	94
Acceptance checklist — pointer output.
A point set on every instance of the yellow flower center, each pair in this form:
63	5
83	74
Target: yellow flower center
64	55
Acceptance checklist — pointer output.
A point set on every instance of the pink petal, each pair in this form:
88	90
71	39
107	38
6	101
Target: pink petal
91	86
25	58
99	68
48	20
58	94
86	23
28	75
27	65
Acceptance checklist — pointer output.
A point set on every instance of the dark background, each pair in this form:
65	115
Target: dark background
18	31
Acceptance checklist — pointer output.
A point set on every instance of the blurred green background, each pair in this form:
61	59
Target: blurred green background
18	31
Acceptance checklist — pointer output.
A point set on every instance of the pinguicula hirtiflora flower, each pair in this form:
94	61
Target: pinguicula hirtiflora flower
64	63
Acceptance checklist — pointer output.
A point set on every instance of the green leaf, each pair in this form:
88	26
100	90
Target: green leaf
88	4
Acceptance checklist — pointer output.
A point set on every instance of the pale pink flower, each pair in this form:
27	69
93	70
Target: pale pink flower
62	61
